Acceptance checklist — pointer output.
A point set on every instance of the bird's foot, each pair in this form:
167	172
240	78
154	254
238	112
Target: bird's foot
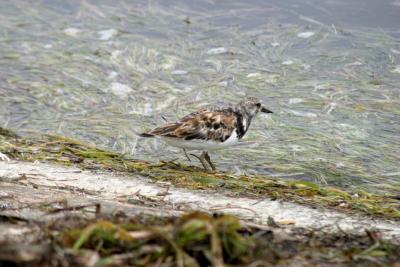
208	159
206	162
187	156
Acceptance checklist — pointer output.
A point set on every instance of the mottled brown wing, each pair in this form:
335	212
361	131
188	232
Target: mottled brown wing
216	125
165	130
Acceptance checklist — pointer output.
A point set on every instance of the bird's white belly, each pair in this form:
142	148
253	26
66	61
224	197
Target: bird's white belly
201	144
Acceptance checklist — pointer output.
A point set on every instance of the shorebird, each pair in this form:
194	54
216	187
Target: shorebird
210	129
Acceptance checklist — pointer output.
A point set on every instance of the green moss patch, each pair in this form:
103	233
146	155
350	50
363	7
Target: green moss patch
70	152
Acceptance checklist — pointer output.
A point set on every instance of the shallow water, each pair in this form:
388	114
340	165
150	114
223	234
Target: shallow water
100	71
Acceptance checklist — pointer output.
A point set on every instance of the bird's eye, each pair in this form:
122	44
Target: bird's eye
258	105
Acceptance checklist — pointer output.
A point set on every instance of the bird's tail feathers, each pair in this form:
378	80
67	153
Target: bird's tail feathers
144	134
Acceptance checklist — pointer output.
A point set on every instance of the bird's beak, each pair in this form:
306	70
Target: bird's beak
265	110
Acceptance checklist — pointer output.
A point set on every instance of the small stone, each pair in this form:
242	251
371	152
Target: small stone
252	75
121	90
305	35
303	113
295	101
179	72
73	32
217	51
287	62
107	34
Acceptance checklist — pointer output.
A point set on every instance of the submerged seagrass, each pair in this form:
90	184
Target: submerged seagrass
334	87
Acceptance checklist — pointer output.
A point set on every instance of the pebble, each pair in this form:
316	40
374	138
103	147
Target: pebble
179	72
107	34
295	101
119	89
252	75
305	35
217	51
73	32
287	62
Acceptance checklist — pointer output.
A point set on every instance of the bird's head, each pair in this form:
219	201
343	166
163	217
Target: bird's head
252	105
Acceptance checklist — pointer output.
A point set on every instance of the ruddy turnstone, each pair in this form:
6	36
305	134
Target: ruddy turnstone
210	129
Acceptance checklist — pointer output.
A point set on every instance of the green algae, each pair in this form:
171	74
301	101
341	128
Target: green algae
66	151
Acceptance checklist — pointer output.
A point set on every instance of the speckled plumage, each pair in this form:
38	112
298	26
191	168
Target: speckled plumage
210	128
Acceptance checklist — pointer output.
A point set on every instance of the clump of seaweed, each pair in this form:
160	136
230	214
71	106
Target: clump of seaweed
194	239
70	152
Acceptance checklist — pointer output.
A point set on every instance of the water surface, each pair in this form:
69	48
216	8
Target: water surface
99	71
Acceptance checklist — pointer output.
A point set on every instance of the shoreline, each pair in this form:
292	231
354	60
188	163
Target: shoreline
49	179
